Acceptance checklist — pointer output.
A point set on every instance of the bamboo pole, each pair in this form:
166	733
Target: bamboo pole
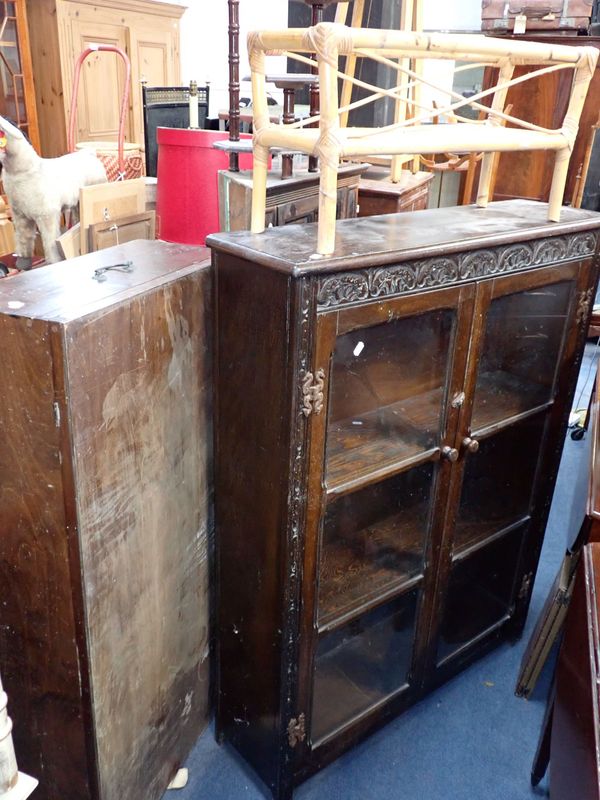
260	163
328	146
341	13
14	785
419	140
557	188
461	47
487	165
261	122
418	68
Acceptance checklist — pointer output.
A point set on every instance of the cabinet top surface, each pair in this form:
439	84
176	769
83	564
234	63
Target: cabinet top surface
370	241
71	290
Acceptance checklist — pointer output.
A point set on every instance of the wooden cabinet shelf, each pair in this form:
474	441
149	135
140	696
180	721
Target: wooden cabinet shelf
503	396
362	664
470	537
380	439
384	546
380	559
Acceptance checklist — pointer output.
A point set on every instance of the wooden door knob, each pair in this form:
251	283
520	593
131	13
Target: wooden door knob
450	453
472	445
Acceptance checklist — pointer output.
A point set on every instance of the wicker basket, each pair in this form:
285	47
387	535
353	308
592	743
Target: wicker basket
108	153
121	160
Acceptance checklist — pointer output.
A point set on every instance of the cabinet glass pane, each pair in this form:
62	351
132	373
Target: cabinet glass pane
498	482
522	346
386	393
373	540
362	663
480	592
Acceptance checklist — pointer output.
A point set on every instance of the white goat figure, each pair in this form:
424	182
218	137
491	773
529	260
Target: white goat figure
40	189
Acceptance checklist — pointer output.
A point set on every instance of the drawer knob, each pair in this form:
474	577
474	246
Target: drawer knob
450	453
472	445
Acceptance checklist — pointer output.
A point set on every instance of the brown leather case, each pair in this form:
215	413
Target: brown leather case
543	15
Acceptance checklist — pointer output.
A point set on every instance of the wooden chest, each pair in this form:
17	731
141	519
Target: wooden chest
377	194
104	489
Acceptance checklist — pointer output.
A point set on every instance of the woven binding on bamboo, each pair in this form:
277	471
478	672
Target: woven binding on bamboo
322	45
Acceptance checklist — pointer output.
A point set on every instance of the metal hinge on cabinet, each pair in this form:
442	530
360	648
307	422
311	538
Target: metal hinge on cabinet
585	298
525	585
312	392
296	730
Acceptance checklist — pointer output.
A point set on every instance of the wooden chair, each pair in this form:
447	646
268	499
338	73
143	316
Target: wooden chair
323	44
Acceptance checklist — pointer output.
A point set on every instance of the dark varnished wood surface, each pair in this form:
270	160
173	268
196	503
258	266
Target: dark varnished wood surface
372	241
262	363
377	194
574	747
67	291
106	497
593	498
251	491
38	640
143	488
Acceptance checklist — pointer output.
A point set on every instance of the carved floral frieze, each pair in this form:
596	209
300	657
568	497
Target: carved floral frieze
355	287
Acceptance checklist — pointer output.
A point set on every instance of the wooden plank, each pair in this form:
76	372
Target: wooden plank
109	201
69	243
143	508
38	641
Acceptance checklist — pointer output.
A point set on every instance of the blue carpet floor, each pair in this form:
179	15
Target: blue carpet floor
470	740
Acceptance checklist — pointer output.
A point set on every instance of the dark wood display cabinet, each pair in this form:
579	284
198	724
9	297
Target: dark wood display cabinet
389	426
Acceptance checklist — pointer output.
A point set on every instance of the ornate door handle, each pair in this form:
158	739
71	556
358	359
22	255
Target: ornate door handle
312	392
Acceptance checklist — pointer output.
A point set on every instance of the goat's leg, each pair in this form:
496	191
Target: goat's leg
25	230
50	231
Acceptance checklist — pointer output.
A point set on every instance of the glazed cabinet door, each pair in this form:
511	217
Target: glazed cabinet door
388	378
525	328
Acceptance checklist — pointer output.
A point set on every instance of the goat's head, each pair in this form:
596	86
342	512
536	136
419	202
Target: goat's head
9	134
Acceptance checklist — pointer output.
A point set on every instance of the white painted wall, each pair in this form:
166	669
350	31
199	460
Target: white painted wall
204	41
454	15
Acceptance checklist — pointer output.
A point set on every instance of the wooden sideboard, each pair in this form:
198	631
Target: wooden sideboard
147	30
289	200
105	489
397	411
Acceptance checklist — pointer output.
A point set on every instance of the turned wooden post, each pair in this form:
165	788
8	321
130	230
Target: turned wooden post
289	95
13	784
234	80
289	84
